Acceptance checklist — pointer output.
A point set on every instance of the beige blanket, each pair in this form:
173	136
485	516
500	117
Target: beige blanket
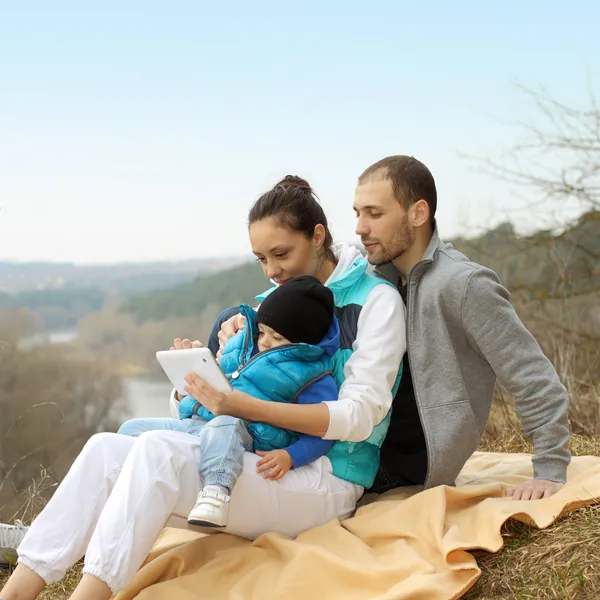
402	545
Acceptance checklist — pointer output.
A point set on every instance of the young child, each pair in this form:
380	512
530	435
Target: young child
283	354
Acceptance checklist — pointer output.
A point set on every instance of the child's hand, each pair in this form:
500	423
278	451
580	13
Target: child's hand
274	464
229	328
179	344
185	344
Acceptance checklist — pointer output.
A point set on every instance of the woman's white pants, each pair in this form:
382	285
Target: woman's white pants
121	492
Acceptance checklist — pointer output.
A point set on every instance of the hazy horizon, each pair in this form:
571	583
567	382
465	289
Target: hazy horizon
143	133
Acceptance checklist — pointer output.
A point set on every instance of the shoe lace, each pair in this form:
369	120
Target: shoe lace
11	535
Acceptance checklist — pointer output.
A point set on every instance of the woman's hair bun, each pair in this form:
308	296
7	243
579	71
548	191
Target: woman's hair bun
293	181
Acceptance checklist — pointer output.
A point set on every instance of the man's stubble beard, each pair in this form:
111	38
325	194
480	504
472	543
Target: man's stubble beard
399	244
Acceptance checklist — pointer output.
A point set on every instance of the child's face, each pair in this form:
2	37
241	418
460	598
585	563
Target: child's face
269	338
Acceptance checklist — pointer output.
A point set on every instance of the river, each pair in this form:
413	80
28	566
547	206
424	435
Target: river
147	397
144	397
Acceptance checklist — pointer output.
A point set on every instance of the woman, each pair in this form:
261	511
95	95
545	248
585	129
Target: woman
121	491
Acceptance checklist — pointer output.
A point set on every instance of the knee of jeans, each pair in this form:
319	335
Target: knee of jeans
156	445
223	421
130	427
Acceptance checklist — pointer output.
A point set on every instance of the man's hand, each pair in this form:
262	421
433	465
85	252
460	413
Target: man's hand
534	489
228	329
274	464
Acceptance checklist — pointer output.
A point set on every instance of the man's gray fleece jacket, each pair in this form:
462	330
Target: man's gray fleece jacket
463	333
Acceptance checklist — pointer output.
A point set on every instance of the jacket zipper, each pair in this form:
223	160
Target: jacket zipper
415	387
242	366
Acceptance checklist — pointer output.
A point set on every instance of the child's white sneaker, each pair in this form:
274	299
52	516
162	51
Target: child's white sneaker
211	509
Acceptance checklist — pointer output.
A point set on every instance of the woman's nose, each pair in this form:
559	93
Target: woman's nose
272	271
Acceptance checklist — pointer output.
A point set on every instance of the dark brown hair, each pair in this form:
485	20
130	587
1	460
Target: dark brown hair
293	204
411	180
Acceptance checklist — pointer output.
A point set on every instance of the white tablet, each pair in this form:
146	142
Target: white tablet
178	363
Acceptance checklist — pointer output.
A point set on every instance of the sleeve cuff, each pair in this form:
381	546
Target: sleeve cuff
174	405
338	421
298	454
551	470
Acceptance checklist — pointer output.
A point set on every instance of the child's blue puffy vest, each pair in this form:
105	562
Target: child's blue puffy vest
357	462
278	374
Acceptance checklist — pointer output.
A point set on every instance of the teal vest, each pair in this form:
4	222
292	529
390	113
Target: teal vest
357	462
278	374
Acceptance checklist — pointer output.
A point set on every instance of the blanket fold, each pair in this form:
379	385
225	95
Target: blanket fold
402	545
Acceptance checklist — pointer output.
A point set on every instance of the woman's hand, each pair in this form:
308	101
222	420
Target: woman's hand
274	464
215	401
229	328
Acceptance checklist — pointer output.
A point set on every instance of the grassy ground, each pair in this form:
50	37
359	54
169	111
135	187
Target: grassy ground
558	563
561	562
58	591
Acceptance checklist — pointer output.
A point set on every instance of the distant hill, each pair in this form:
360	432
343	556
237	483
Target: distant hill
541	266
228	288
56	309
116	279
60	294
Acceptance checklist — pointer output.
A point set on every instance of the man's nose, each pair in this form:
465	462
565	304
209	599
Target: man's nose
361	227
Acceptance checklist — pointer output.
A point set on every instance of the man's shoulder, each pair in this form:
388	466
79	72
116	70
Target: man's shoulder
450	265
450	272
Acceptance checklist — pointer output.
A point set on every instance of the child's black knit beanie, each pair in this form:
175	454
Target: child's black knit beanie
300	310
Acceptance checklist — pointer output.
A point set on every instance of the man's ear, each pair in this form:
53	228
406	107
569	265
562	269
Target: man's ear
420	210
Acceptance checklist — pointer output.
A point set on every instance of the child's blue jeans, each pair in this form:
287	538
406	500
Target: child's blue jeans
223	441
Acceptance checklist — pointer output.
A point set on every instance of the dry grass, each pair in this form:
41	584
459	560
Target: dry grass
558	563
58	591
561	562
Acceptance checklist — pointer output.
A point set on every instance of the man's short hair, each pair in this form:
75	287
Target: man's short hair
411	180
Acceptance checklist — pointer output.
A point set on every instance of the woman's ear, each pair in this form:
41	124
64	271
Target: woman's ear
319	235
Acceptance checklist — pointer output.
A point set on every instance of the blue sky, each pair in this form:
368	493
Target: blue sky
142	131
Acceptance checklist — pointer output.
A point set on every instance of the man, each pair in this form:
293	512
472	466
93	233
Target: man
463	333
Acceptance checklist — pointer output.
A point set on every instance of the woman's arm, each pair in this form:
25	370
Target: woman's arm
371	371
365	396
